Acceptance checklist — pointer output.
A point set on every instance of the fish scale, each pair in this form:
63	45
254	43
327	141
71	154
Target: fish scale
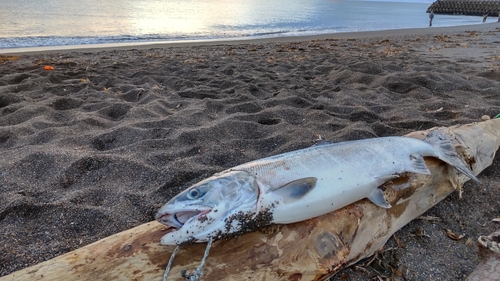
350	172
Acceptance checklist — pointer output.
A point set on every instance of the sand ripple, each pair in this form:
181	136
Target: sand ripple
97	145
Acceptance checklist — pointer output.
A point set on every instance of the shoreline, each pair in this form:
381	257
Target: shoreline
249	40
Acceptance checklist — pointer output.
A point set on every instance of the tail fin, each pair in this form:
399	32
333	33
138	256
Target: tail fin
443	144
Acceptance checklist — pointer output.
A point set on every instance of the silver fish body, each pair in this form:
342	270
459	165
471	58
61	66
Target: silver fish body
298	185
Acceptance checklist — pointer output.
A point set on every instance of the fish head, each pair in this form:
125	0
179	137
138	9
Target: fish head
200	210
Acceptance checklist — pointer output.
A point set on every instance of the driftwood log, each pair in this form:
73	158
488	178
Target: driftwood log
310	250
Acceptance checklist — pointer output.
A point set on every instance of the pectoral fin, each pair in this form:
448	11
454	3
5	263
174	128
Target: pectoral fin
295	190
377	198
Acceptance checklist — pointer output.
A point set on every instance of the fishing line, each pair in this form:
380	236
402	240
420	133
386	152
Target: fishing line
197	273
169	265
199	270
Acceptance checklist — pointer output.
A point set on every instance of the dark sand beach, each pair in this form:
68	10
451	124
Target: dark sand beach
98	144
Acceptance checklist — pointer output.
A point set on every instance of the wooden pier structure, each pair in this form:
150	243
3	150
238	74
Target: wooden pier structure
466	7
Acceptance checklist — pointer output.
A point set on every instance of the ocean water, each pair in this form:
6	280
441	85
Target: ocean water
30	23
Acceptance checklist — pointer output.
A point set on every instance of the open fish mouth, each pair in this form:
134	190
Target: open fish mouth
177	220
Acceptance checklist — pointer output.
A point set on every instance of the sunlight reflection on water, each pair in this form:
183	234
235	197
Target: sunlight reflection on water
54	22
118	17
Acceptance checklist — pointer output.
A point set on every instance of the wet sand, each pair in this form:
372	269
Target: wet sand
98	144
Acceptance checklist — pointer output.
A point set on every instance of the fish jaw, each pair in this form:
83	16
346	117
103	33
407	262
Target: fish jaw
197	228
217	224
176	216
188	234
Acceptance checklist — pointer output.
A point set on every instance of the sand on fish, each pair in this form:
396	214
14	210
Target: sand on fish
98	144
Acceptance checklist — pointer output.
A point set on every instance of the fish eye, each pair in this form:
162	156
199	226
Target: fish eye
194	194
